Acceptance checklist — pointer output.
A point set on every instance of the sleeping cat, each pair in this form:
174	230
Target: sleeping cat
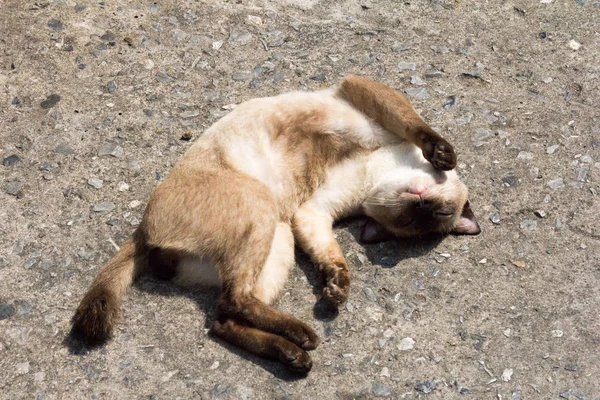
276	171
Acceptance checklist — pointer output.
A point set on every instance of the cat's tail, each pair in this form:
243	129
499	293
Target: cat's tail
98	312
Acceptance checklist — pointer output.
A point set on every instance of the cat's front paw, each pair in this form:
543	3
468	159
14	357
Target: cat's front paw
337	289
440	154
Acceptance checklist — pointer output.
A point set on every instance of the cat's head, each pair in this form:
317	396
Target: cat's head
414	199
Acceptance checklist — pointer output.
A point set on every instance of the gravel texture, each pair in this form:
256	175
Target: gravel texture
98	99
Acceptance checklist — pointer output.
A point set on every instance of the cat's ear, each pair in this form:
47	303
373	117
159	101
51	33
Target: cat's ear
374	232
467	224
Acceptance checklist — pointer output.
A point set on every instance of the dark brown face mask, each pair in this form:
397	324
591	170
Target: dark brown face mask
374	232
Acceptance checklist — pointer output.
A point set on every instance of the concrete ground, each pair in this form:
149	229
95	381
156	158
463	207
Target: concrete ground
97	98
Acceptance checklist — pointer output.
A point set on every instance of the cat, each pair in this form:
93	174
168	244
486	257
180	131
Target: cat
274	172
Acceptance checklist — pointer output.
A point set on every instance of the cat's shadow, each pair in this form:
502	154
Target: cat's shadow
206	301
382	255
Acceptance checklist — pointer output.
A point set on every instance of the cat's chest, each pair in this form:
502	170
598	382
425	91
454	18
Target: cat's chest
258	156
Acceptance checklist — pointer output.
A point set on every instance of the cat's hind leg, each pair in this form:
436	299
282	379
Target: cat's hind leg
246	300
275	272
269	284
232	219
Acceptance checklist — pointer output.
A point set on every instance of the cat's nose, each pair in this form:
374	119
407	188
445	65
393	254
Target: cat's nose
424	206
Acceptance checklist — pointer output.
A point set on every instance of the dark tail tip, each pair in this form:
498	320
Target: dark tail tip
95	317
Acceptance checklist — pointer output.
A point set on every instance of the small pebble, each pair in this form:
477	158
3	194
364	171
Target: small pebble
557	333
122	187
507	374
574	45
64	149
440	49
13	188
189	114
495	218
167	377
111	87
406	344
11	160
23	368
417	93
404	66
6	311
39	376
19	334
552	149
50	101
426	387
108	36
450	102
572	367
481	134
55	24
241	76
369	294
433	74
540	213
110	149
253	19
163	77
472	73
555	184
572	394
320	77
179	35
582	173
415	80
104	207
349	307
524	155
528	225
380	390
95	183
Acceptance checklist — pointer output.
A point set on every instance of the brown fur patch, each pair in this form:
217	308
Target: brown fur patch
263	344
96	316
311	151
98	312
393	111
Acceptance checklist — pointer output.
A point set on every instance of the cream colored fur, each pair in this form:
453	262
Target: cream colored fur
345	191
